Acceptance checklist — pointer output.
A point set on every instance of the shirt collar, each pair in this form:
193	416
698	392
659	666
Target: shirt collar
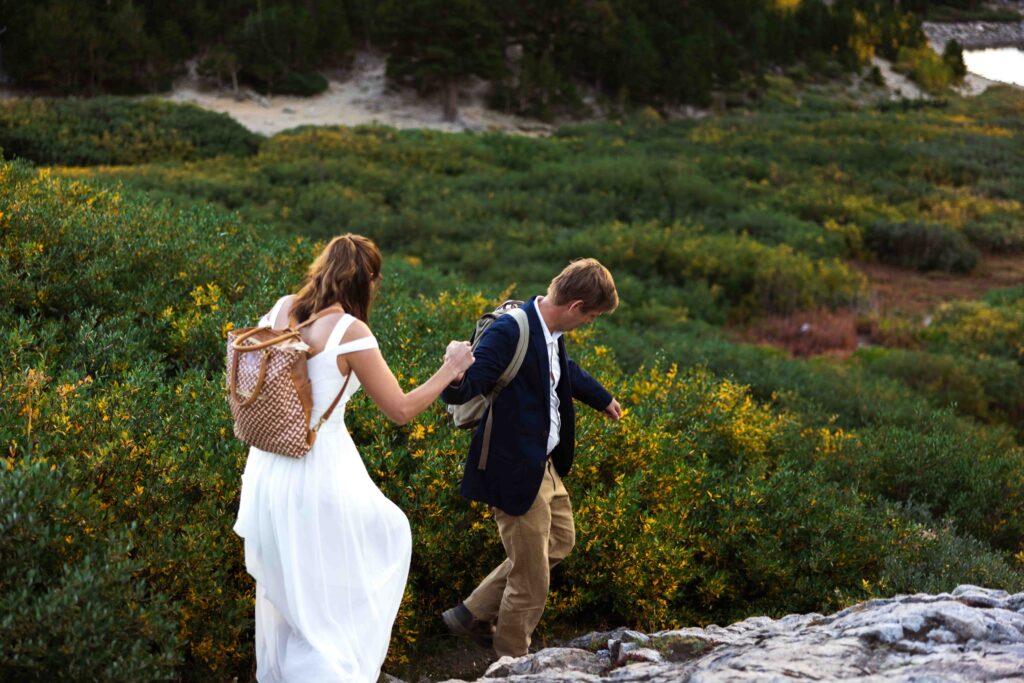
548	335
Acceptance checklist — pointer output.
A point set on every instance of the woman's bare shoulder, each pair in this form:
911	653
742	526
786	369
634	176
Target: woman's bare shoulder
281	309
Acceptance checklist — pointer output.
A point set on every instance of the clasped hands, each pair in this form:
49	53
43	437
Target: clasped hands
459	356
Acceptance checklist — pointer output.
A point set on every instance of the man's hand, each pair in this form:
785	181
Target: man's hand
613	410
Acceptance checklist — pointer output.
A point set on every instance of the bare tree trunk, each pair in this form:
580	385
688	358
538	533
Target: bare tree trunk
451	101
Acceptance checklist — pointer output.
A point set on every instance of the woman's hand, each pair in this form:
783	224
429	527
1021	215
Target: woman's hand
458	357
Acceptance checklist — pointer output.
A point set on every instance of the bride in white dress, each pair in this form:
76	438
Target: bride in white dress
329	552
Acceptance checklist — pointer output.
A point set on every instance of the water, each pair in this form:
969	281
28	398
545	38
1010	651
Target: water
1005	64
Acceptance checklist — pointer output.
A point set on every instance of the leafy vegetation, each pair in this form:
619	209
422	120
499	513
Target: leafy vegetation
721	219
748	483
740	481
108	130
933	72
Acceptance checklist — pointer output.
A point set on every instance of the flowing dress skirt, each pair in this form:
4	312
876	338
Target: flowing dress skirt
330	556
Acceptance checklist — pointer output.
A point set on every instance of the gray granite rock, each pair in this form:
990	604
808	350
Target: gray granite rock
970	635
552	659
975	35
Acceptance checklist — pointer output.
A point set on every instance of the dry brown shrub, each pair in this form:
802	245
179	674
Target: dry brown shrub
808	333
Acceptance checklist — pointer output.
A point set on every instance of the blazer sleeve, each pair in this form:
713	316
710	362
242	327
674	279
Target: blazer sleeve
491	356
587	389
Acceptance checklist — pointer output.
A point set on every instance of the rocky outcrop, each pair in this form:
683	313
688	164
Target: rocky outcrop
975	35
970	635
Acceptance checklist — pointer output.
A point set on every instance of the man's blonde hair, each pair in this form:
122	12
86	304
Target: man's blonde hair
585	279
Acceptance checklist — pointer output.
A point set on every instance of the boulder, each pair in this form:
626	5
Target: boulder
970	635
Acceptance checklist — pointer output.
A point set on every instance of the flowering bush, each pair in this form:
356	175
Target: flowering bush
979	329
704	503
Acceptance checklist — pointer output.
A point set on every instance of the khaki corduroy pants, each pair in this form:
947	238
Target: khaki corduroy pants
516	591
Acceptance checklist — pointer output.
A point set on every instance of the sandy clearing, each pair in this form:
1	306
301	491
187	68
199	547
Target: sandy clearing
362	97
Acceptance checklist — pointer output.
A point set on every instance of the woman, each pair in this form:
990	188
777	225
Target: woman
329	553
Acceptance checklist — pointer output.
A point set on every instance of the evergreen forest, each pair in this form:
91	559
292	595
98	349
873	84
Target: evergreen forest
541	57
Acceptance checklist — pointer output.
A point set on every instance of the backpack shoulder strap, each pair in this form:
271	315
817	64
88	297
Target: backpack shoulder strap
506	377
520	353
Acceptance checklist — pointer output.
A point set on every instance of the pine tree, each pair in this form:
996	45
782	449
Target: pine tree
953	56
434	44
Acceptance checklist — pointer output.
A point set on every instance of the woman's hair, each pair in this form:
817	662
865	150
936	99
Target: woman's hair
587	280
343	273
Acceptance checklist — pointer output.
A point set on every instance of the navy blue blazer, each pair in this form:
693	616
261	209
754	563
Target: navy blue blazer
522	417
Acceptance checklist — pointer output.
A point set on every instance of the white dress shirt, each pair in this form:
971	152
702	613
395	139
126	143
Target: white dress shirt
555	373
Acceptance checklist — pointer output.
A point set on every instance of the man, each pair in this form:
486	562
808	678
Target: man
531	448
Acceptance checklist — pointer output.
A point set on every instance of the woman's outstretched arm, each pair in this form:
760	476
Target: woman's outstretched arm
382	386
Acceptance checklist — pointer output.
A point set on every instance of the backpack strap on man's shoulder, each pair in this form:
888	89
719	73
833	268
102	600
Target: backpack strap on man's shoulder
514	365
518	355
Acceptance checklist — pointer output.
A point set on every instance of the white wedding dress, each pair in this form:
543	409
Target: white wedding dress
329	552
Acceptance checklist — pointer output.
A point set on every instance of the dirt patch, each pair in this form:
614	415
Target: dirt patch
449	658
806	333
898	300
908	293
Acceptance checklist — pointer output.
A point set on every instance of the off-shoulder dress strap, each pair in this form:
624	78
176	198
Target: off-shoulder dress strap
334	344
340	328
361	344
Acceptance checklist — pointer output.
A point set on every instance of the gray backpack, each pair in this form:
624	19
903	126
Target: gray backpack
468	415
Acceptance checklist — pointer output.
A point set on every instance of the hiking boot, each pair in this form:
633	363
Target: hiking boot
461	622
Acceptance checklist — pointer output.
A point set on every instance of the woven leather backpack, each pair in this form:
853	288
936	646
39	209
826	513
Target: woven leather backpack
269	391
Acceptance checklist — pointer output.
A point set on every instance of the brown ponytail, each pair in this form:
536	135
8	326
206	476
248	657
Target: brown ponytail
344	273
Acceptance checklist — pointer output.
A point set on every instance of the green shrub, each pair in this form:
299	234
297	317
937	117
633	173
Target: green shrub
953	57
704	503
110	130
944	559
951	469
924	247
749	275
990	389
952	14
74	605
1005	296
131	306
931	71
999	234
976	329
775	227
